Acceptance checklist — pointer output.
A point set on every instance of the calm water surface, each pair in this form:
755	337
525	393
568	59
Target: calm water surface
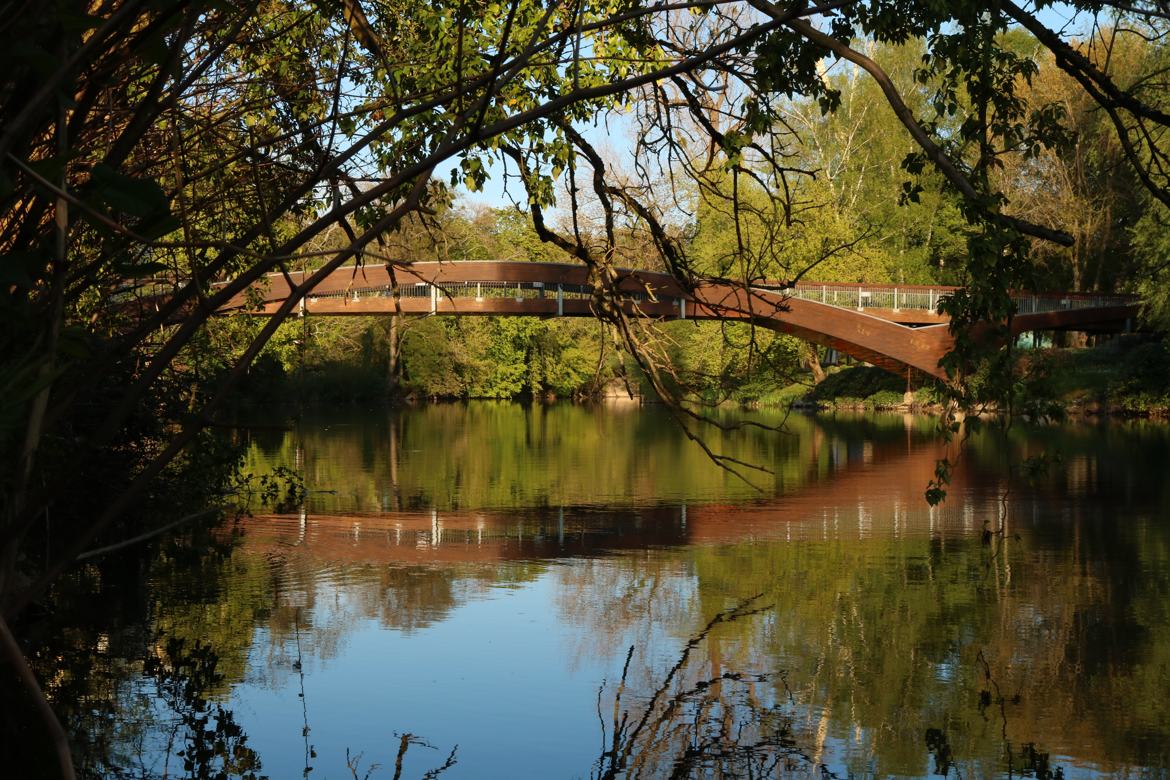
475	578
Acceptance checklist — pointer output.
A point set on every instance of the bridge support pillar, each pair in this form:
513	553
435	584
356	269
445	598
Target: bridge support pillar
434	298
682	308
560	300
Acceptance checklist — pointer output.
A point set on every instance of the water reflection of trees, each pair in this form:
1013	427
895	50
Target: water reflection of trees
692	724
123	687
885	629
499	455
883	638
880	610
144	653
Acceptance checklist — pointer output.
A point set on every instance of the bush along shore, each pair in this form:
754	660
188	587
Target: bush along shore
1126	377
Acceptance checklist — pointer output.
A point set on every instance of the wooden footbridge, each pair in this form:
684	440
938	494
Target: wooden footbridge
892	326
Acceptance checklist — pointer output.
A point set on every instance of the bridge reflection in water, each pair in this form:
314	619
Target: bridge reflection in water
879	478
883	612
896	327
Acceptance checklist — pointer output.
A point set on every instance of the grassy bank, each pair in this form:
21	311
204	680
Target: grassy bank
1126	377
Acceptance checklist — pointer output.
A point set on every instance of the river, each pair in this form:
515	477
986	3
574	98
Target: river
564	591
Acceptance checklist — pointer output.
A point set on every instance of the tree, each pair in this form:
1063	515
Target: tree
196	142
1151	238
1081	182
859	153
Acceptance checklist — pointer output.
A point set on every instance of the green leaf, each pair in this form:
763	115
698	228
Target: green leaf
78	22
50	168
20	268
153	48
41	62
140	270
75	343
136	197
157	228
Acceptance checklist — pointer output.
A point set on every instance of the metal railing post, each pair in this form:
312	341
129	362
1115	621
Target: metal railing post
560	300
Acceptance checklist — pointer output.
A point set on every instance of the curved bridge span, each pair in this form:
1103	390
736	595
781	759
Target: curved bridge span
893	327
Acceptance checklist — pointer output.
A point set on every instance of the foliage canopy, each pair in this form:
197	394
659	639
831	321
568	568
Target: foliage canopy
166	145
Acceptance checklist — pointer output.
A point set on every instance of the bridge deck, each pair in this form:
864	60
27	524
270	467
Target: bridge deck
891	326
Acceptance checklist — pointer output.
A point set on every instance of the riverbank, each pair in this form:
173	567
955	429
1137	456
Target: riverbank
1126	377
1123	378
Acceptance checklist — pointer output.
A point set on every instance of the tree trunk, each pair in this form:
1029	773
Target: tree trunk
44	740
812	361
392	365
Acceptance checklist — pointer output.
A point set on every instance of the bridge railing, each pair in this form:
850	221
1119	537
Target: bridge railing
1037	304
858	297
483	289
866	297
927	299
144	289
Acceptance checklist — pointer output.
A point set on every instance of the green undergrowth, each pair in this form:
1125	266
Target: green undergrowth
1125	376
862	387
781	396
1122	376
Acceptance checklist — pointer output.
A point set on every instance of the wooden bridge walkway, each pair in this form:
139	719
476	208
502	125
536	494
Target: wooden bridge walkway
891	326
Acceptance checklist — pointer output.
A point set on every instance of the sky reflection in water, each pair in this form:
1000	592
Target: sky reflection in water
474	574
